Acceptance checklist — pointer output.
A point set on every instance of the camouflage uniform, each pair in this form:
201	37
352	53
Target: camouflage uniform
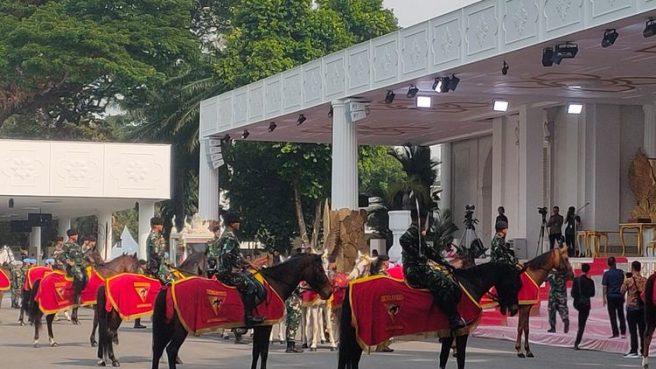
57	255
17	279
157	255
501	251
446	293
558	299
293	319
213	250
72	251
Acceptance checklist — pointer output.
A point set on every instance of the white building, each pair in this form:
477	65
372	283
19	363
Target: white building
533	154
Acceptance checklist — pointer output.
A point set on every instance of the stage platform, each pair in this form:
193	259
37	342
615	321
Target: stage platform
597	331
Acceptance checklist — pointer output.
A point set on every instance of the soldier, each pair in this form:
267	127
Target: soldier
416	254
501	251
232	268
293	320
379	267
57	252
72	258
213	249
558	300
17	279
156	251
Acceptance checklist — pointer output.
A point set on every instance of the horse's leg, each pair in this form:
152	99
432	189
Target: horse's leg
520	329
114	323
37	326
257	342
51	336
177	339
261	338
527	348
92	339
74	319
649	332
461	347
446	349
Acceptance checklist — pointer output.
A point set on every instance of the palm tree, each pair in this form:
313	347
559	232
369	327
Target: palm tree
421	174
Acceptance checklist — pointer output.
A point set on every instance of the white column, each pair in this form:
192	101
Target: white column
105	234
146	211
345	159
35	242
445	173
63	225
208	186
650	130
497	166
531	143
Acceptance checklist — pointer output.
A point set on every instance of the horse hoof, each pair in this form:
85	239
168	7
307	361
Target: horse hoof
53	344
116	364
101	363
94	344
521	355
36	345
21	324
178	360
529	354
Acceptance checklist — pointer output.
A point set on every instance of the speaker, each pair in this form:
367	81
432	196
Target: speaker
39	219
20	226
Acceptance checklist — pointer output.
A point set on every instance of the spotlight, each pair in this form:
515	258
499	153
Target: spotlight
423	101
11	203
575	109
504	69
272	126
650	28
500	105
301	119
565	51
452	83
438	85
245	134
227	138
547	57
330	112
609	37
412	91
389	98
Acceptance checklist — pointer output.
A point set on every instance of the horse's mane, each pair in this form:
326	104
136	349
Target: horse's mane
538	260
278	269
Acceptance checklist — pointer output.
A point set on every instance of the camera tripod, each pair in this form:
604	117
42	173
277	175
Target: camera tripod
538	250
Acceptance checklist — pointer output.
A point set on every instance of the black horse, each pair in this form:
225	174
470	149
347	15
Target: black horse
477	280
283	278
109	322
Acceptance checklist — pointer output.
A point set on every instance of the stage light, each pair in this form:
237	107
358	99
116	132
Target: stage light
301	119
438	85
423	101
227	139
389	98
610	36
650	28
504	69
272	126
11	203
565	51
245	134
330	112
500	105
412	91
547	57
452	83
575	109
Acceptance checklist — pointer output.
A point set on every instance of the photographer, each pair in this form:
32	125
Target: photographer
633	286
555	225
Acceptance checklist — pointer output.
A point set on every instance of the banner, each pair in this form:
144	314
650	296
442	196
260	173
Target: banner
384	307
5	283
131	295
205	305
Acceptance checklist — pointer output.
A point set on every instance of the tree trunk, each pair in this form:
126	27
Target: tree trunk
298	206
316	226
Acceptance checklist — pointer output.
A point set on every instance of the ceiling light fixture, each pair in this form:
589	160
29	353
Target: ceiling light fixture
330	112
272	126
575	109
301	119
500	105
11	203
438	85
505	68
424	101
452	83
610	36
389	97
567	50
245	134
547	56
650	28
412	92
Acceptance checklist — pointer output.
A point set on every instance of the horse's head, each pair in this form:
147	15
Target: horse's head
561	261
129	263
313	273
507	285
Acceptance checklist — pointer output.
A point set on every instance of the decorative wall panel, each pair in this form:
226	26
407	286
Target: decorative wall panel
255	98
240	106
603	10
359	72
291	89
225	111
446	40
562	17
335	75
312	83
481	29
386	59
414	50
76	168
209	116
521	22
273	96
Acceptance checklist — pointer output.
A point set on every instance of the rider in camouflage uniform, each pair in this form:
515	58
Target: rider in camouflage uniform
501	251
416	254
213	249
232	268
17	279
72	257
558	299
293	320
57	253
156	251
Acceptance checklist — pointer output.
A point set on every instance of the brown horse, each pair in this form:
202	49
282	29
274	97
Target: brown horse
538	269
194	265
121	264
283	278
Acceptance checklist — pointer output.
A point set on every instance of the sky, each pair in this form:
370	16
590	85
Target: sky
411	12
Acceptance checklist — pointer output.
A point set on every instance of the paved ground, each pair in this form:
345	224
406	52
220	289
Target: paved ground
210	351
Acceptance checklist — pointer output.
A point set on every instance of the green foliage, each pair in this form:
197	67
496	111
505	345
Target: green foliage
378	170
442	230
421	175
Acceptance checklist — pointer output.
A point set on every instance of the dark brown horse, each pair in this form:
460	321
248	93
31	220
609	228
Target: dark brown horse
650	319
283	278
538	269
121	264
194	265
477	280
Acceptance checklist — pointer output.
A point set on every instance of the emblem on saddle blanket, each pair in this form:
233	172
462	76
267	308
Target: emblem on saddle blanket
131	295
384	307
5	283
205	305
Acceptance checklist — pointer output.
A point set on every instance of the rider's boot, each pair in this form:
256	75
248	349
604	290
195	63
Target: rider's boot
249	305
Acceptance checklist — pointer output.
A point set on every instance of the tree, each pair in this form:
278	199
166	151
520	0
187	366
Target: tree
421	174
378	170
70	58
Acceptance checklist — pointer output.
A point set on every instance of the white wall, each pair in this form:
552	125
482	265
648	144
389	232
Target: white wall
415	11
510	173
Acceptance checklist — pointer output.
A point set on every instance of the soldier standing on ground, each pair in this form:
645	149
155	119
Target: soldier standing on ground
17	279
156	251
558	298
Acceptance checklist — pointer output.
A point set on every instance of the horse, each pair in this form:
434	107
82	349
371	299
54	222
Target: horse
477	280
121	264
283	279
538	269
109	322
650	319
6	258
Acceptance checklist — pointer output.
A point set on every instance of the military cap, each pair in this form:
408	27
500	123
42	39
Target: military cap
71	232
230	218
383	258
155	221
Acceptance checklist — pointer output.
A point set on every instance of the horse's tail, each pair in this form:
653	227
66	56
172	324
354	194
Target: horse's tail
161	328
34	310
349	350
101	314
650	309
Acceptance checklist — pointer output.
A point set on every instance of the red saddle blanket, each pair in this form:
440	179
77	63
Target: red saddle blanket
340	283
384	307
204	305
529	293
131	295
34	274
56	291
5	283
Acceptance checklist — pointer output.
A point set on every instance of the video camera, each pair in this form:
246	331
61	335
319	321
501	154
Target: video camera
470	221
543	211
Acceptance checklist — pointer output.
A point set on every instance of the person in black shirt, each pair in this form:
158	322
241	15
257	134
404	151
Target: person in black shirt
572	224
613	297
555	225
502	216
583	290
